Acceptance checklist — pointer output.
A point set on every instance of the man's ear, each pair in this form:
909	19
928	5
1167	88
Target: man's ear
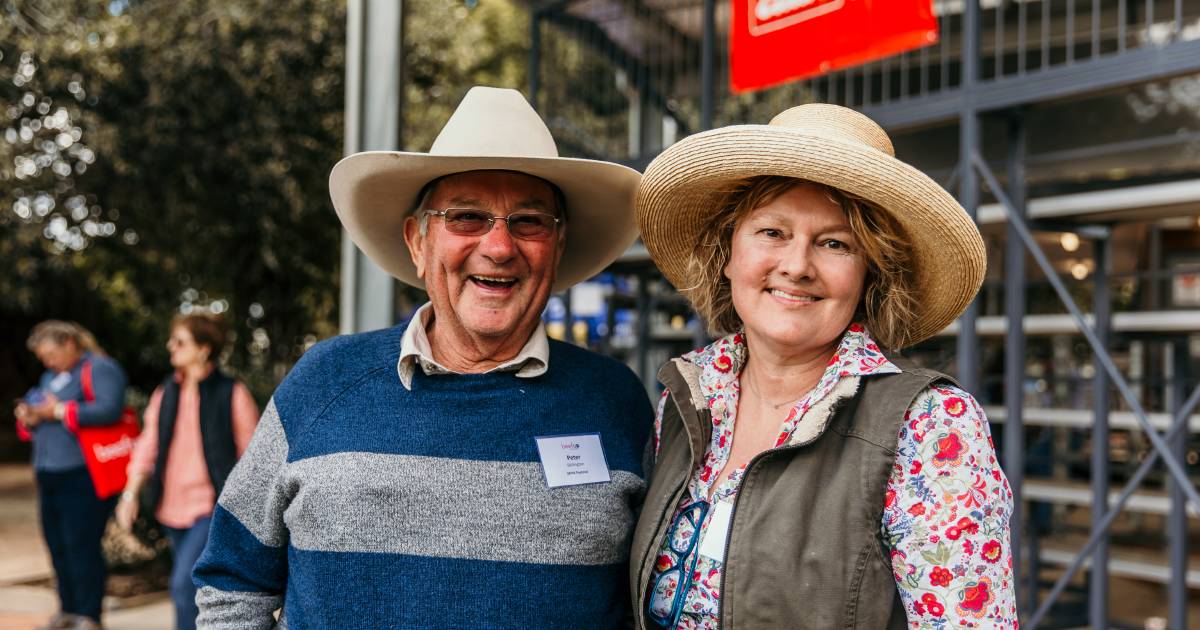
415	242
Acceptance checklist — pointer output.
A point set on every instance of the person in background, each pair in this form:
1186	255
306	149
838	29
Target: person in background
51	414
196	426
807	475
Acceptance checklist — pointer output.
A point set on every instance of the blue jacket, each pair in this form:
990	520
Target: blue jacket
55	447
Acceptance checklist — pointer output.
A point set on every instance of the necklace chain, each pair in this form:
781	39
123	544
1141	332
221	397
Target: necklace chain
754	387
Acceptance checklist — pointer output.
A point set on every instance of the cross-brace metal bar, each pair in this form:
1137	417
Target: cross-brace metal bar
1172	463
1161	447
1177	429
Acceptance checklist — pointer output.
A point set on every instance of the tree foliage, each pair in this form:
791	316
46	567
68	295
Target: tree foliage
159	157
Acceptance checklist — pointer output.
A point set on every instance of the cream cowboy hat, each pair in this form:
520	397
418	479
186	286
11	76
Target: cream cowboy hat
831	145
492	129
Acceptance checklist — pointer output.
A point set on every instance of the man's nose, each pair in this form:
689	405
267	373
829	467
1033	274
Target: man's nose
498	244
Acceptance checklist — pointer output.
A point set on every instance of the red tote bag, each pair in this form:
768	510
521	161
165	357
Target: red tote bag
106	449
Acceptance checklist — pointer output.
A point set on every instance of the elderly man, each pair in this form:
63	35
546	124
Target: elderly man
460	470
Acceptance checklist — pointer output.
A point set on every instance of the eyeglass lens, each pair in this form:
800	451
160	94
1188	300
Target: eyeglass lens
472	222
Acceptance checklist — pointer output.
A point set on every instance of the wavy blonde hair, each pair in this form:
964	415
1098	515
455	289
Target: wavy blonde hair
60	332
889	303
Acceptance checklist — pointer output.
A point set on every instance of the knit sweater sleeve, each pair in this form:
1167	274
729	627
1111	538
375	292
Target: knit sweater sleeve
242	574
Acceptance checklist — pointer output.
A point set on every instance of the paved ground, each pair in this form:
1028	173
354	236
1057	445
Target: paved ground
24	563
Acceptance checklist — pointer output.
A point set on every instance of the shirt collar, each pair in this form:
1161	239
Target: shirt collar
857	355
533	359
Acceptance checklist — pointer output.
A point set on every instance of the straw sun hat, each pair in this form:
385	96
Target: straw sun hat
492	129
827	144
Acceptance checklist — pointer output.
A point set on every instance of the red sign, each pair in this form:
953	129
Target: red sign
774	41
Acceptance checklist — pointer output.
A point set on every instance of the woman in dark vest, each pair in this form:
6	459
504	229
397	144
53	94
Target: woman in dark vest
196	426
806	475
81	388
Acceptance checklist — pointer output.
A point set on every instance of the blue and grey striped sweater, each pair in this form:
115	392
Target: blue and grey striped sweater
360	504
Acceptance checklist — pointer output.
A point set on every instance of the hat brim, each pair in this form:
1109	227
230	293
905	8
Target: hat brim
683	186
374	192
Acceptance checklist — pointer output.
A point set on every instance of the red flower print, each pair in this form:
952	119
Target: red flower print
889	498
856	328
953	533
916	468
968	547
950	449
871	363
663	563
991	551
934	606
706	473
940	577
917	509
974	599
967	525
738	339
723	363
955	406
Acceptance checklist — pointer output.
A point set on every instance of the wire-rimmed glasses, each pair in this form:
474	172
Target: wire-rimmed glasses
693	514
532	226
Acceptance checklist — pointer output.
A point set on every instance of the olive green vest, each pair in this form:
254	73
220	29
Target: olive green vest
805	548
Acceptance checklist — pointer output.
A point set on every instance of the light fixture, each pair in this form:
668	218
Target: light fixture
1079	271
1069	241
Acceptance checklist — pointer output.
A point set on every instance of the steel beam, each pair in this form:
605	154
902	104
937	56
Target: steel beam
1177	521
708	45
1139	65
968	192
1014	347
1102	312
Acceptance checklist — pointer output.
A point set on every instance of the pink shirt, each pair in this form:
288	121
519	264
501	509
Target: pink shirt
188	493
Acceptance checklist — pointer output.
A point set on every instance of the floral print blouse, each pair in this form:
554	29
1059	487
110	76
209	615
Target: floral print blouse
945	518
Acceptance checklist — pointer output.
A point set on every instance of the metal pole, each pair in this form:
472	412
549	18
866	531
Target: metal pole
1102	310
535	57
374	85
1177	532
968	339
708	47
1014	341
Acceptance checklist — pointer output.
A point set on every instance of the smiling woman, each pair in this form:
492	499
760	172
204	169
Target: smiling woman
843	486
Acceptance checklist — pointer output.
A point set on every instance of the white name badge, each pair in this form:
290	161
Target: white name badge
713	544
572	460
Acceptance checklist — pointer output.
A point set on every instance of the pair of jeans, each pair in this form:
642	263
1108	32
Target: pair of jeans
73	521
186	546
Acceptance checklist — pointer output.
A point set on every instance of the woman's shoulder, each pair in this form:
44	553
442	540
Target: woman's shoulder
102	362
